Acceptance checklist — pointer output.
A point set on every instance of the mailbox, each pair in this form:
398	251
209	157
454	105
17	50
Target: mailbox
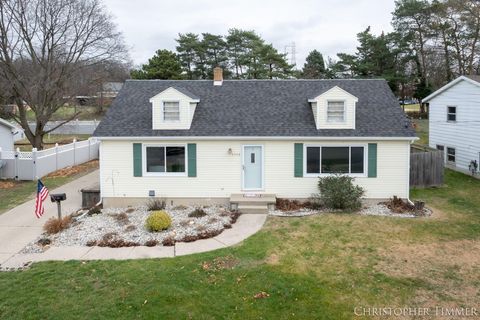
58	197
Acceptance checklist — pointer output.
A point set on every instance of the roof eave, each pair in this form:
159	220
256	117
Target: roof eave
449	85
277	138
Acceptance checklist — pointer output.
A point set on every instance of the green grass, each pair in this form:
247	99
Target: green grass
422	131
318	267
19	192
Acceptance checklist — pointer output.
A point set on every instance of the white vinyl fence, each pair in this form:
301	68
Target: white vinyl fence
72	127
21	165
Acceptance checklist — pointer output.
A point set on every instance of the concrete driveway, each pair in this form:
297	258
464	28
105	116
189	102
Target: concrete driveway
20	226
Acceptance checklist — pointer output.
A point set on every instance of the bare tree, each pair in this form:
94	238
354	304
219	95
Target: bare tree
44	44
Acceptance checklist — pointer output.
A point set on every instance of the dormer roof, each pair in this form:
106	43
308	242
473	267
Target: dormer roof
180	89
327	90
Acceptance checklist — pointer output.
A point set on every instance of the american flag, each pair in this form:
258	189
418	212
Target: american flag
42	194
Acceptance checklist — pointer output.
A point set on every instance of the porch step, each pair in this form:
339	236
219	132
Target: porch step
252	203
251	209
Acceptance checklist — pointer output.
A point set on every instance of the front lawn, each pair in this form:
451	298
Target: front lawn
13	193
317	267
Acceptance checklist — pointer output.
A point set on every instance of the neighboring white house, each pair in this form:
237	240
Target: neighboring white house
8	133
204	141
454	121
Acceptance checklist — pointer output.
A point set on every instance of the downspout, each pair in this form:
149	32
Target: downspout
408	171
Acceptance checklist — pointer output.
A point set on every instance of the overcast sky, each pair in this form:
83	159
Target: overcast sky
328	26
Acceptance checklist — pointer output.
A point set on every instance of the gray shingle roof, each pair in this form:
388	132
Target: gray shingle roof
256	108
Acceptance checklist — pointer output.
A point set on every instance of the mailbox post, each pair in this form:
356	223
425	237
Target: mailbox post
58	198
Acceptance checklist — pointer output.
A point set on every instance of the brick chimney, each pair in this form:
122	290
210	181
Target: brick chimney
217	76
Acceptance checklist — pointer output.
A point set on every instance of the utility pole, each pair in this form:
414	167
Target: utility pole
291	52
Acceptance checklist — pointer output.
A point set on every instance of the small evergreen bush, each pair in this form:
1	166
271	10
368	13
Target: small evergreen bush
158	221
338	192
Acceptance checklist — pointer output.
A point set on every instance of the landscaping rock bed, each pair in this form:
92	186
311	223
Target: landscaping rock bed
298	213
119	227
379	209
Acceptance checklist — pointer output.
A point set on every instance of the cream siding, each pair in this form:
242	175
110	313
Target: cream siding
219	172
463	135
335	94
187	109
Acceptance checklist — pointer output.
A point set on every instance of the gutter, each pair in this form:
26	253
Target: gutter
257	138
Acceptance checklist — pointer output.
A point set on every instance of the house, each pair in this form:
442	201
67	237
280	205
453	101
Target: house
454	121
8	135
206	141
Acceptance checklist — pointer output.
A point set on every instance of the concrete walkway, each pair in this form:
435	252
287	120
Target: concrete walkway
19	226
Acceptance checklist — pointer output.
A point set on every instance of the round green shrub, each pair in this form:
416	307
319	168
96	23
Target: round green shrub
158	221
338	191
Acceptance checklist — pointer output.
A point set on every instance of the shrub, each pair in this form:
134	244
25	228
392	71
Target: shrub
338	192
168	241
151	243
156	204
158	221
288	205
55	225
197	213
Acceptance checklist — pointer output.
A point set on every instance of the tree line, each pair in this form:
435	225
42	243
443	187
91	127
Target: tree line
242	54
432	43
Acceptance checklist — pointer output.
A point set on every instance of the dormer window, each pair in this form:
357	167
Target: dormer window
335	111
171	111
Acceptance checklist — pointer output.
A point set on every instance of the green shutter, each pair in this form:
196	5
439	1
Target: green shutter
372	160
137	159
298	160
192	159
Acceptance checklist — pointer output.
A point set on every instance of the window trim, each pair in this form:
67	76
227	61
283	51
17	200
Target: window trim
163	111
446	154
344	110
145	173
450	113
354	175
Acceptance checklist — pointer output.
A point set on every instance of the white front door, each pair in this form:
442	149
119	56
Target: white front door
252	167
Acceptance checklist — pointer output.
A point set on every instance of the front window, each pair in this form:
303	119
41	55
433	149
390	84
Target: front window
451	154
346	160
451	113
440	147
335	111
165	159
171	111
